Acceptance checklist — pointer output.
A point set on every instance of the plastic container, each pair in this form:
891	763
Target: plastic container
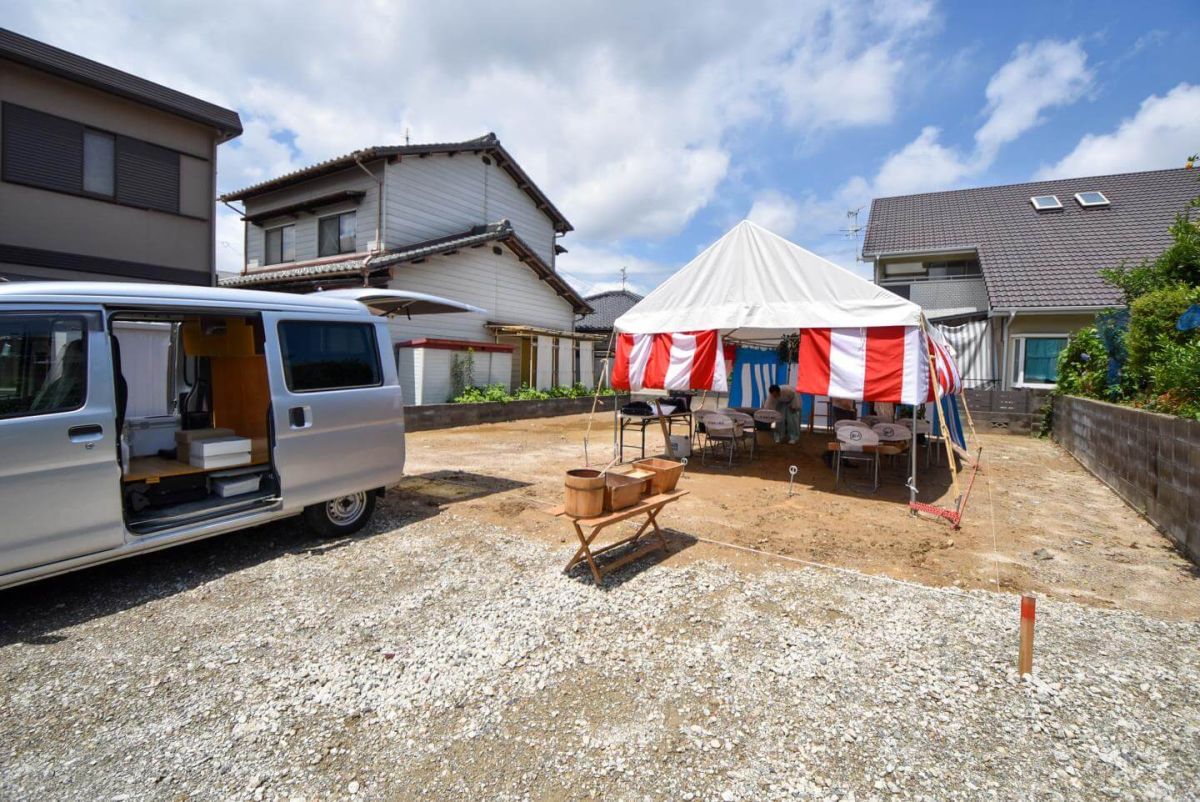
584	493
666	473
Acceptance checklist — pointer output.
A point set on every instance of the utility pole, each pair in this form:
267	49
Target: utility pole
624	275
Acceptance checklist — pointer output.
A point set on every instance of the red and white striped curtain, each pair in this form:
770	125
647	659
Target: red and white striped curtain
691	360
882	363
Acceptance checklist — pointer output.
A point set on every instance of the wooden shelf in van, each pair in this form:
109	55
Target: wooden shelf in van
151	469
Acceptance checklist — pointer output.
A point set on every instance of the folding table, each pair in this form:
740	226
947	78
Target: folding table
650	507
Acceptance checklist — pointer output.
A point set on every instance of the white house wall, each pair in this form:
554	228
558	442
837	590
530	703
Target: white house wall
306	224
505	287
586	362
441	195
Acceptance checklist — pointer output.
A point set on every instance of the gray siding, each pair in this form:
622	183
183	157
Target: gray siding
503	286
306	223
440	195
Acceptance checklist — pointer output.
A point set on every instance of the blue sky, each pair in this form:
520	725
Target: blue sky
656	127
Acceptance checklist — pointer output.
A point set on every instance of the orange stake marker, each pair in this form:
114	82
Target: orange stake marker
1028	606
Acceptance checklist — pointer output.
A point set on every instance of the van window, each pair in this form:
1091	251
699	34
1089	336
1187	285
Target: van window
328	356
43	364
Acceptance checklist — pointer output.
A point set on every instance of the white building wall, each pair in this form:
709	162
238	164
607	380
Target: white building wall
586	362
566	360
306	224
441	195
545	355
505	287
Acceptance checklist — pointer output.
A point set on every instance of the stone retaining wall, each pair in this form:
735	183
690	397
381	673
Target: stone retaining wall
1152	461
446	416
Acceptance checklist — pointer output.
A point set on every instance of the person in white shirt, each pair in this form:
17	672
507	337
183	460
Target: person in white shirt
786	402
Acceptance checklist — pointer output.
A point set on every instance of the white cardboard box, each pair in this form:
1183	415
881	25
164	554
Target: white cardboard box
236	485
216	446
219	460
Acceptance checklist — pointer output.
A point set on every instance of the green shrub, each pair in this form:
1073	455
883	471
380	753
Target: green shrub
1083	365
1175	377
527	393
1178	264
462	372
1152	319
498	393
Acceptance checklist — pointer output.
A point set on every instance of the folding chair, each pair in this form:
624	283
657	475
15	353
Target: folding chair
743	425
721	429
853	442
772	418
893	434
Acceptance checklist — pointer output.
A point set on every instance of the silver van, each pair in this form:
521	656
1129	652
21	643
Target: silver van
134	417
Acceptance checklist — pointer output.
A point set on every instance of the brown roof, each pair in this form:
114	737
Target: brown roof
64	64
298	277
488	144
1034	259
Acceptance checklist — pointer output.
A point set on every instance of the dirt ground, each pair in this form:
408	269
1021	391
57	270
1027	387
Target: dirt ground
1035	520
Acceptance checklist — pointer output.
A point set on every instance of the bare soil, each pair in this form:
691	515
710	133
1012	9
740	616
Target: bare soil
1036	521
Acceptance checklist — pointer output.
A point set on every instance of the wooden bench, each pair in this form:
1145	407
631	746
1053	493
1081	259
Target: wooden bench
649	507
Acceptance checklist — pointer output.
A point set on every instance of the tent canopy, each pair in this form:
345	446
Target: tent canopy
752	284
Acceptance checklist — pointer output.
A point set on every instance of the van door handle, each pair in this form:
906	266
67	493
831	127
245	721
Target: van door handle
86	433
300	417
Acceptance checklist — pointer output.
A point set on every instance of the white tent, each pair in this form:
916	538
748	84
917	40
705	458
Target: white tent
752	284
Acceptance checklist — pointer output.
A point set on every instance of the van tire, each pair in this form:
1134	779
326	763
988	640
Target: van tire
341	516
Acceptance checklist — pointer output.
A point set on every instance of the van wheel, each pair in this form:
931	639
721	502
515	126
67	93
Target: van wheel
341	516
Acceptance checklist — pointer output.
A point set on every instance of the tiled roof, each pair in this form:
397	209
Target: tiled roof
64	64
479	235
488	144
1034	259
609	306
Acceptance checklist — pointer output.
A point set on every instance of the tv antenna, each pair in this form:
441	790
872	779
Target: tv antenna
852	229
624	275
406	133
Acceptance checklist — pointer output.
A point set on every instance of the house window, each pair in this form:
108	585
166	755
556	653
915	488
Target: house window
336	234
281	245
99	163
48	152
1036	363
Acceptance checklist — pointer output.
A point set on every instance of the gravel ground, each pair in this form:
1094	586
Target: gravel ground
441	657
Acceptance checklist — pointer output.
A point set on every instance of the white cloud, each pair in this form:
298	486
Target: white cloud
775	212
622	111
1037	78
924	165
1163	133
596	269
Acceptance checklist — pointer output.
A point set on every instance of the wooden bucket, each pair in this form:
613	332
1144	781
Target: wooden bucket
584	492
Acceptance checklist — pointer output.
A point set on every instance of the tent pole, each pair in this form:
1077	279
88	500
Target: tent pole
912	474
943	425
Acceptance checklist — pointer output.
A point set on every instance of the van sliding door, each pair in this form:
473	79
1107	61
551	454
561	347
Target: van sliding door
60	484
336	405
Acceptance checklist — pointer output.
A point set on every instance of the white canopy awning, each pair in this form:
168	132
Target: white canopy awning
752	284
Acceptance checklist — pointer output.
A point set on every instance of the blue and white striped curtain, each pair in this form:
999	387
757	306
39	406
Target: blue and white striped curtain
754	370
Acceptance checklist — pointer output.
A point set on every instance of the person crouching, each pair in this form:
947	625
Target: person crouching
786	402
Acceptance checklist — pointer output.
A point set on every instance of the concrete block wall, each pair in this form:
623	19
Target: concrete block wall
447	416
1007	411
1152	461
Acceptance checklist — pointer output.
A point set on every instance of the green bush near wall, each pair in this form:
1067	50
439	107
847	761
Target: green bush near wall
500	393
1150	363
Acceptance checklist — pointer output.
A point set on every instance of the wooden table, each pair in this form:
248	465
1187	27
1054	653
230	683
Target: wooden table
649	507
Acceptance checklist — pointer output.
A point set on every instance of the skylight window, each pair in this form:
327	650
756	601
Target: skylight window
1044	202
1092	198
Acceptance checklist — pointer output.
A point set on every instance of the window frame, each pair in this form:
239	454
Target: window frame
287	372
338	216
1019	359
1104	201
267	244
84	332
80	192
1058	204
112	139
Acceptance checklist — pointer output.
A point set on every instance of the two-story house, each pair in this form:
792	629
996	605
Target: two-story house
460	220
1009	272
104	176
